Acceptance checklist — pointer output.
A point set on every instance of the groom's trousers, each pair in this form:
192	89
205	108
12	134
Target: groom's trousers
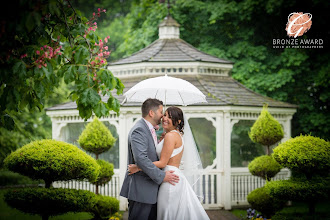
141	211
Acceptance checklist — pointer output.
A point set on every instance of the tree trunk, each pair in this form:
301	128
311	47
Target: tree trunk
268	153
96	156
96	189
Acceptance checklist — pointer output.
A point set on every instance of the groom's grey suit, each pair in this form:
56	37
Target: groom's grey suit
141	188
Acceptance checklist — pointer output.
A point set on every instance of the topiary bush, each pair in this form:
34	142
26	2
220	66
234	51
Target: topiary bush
50	202
52	160
104	207
106	172
304	154
265	167
309	158
264	203
96	138
304	190
266	130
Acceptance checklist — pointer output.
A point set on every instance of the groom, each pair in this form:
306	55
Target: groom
141	189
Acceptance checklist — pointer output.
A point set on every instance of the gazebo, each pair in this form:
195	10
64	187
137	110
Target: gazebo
224	183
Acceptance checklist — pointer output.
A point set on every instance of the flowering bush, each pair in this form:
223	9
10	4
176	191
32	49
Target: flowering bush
48	41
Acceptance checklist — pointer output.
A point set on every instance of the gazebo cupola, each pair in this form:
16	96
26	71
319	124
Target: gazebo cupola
169	29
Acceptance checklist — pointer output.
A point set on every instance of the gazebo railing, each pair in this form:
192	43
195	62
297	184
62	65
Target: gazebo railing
243	182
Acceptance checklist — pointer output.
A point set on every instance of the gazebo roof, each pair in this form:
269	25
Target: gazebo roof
219	90
169	50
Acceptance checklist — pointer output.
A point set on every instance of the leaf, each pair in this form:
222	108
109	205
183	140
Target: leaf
90	97
69	75
46	72
120	86
29	22
19	69
101	110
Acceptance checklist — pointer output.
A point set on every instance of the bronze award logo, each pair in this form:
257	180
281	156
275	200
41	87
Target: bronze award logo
298	24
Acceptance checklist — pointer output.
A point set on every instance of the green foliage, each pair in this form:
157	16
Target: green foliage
104	207
52	160
106	172
50	202
266	130
96	138
301	189
9	141
8	178
304	154
29	76
265	167
263	202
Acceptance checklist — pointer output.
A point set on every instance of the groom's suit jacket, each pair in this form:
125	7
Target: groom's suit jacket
142	186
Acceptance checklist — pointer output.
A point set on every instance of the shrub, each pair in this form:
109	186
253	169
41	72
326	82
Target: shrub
50	202
106	172
52	160
96	138
261	201
300	189
10	178
306	154
104	207
265	167
266	130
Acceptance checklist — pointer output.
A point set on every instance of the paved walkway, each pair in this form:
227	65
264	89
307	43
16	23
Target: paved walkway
213	214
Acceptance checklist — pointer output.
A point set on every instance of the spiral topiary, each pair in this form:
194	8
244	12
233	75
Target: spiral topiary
265	167
52	160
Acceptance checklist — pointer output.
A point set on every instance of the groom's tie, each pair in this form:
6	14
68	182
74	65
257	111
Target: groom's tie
153	132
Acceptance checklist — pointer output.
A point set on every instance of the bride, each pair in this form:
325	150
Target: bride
178	152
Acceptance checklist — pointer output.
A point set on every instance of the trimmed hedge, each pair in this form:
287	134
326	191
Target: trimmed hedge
106	172
96	138
265	167
300	189
52	160
104	207
264	203
306	154
266	130
50	202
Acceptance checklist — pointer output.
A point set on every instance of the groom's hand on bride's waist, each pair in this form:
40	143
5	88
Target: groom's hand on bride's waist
170	177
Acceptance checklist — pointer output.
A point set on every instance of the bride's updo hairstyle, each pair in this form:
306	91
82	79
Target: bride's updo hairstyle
176	115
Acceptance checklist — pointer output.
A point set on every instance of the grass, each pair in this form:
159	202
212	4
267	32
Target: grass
297	211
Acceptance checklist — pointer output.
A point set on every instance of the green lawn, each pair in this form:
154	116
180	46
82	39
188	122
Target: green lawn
9	213
297	211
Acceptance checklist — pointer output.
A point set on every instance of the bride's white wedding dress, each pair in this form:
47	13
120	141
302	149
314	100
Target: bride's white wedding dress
178	202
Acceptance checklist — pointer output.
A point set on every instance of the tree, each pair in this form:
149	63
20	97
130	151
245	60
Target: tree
51	161
47	41
309	157
97	139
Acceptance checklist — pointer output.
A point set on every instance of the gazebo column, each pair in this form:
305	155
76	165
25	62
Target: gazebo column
227	161
219	161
